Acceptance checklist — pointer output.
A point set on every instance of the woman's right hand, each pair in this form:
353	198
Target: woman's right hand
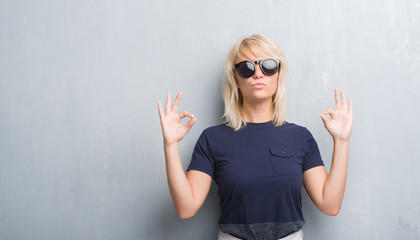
172	129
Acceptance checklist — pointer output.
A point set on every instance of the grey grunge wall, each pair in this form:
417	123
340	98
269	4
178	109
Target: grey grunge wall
81	152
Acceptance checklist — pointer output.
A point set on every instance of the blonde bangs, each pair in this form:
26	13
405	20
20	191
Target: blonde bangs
255	48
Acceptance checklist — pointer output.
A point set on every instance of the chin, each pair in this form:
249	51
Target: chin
262	98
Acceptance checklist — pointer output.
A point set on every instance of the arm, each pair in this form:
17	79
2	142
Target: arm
327	190
188	192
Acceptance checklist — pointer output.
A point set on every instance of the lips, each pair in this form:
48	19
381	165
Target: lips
258	85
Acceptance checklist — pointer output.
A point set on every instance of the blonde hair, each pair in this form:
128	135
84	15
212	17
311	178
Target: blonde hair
260	46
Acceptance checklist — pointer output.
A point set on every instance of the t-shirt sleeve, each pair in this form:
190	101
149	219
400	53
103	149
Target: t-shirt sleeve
201	158
312	154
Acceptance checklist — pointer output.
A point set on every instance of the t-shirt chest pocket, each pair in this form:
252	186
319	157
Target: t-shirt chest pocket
284	160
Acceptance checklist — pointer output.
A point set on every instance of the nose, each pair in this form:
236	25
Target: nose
258	73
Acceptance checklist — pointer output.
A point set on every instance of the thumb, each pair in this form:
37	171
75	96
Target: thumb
190	123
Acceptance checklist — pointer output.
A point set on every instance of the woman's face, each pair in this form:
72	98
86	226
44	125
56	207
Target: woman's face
259	87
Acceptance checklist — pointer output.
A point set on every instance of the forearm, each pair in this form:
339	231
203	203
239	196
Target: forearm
179	186
335	184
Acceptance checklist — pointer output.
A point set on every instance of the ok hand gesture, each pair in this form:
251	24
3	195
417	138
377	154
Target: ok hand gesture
341	119
172	129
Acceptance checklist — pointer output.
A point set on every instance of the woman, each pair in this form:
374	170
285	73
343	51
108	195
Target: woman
258	160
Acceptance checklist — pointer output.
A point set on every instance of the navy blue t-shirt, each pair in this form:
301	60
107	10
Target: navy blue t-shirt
258	170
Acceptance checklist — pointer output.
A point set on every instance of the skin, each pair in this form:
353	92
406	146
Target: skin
189	191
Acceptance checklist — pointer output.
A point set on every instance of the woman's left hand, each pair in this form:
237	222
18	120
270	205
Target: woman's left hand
341	119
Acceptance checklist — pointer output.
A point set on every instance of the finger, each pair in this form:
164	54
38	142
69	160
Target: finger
168	104
329	111
343	102
337	100
161	114
350	107
176	102
324	118
185	114
189	124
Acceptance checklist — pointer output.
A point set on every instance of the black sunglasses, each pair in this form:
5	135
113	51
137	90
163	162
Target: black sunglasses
268	66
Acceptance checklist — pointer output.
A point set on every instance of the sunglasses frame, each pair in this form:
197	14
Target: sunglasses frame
260	62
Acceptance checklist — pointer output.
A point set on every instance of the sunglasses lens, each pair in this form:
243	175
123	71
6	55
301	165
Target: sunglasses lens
246	69
269	66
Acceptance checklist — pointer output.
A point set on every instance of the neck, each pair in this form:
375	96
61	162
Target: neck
258	112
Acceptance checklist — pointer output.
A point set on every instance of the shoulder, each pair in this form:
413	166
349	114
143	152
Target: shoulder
217	129
216	134
294	127
297	129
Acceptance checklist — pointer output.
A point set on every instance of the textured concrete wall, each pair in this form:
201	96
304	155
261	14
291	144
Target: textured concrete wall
81	152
